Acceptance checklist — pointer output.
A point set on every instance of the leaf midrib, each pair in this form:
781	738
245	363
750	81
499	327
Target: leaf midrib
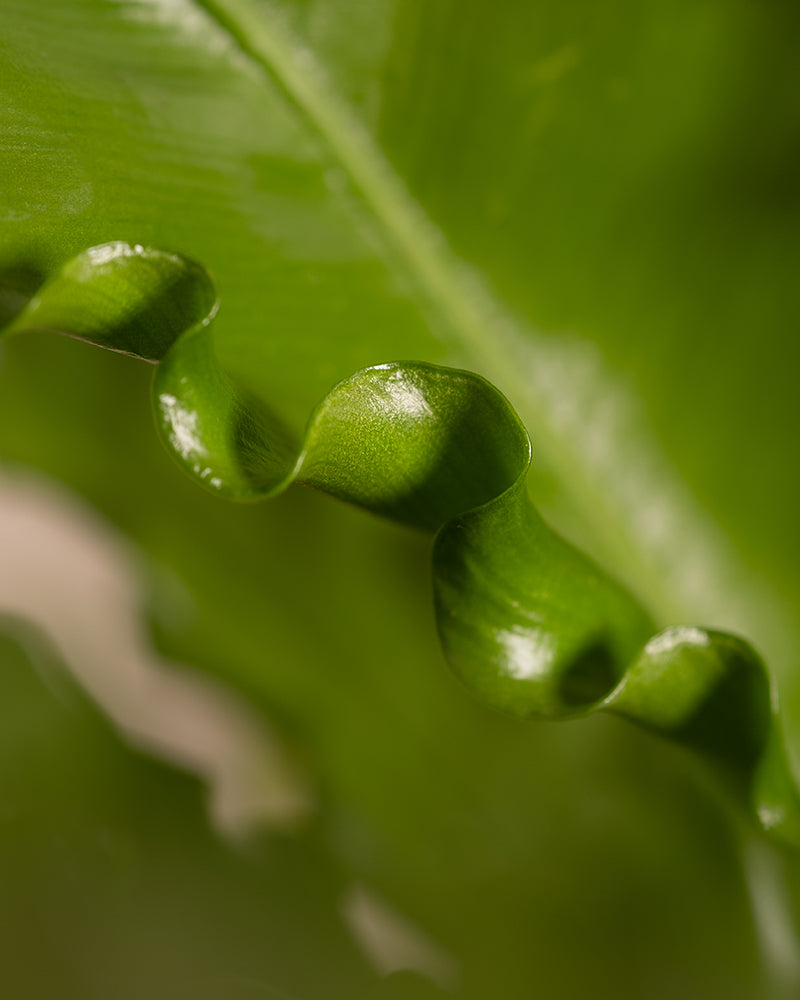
422	245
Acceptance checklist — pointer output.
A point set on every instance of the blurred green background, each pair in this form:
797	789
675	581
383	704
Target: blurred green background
621	181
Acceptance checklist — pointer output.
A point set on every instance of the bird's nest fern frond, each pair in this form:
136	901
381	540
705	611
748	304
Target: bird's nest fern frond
531	625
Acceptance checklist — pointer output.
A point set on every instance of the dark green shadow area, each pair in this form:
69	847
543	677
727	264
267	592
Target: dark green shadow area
589	677
20	279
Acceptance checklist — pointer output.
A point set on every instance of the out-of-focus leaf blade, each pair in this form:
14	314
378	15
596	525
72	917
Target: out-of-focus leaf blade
114	885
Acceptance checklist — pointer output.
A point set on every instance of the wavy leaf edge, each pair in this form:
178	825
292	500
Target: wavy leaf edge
533	627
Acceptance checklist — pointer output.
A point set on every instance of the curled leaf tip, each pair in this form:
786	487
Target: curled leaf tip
527	622
124	297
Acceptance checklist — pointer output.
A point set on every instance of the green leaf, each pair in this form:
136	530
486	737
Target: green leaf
601	171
